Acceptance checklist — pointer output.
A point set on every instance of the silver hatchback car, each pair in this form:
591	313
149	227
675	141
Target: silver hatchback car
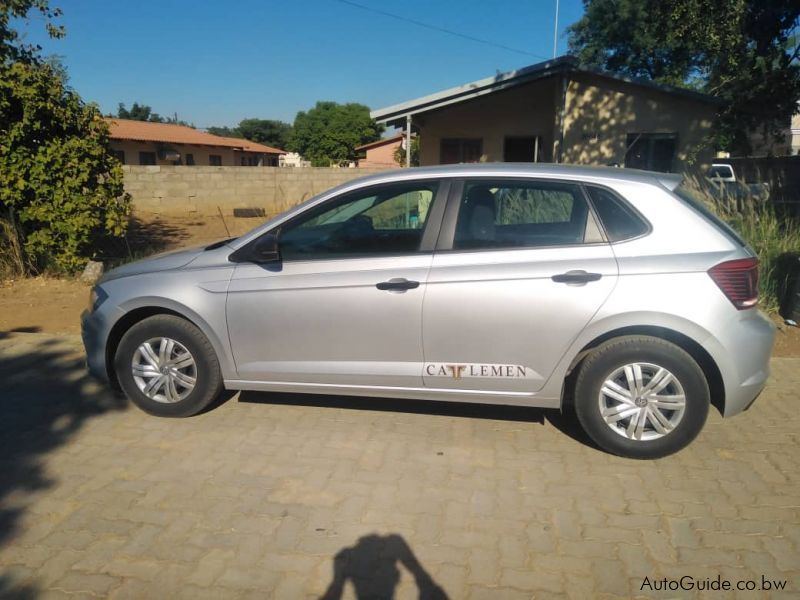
548	286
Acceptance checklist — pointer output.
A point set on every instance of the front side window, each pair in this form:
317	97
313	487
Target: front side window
380	221
520	214
215	160
147	158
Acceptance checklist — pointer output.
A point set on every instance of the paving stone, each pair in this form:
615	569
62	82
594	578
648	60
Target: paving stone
258	499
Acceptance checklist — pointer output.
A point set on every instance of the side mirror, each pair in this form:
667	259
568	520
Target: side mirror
265	249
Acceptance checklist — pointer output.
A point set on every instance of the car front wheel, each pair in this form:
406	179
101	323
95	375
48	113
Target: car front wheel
641	397
167	367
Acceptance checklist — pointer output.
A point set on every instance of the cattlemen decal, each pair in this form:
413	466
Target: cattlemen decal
459	371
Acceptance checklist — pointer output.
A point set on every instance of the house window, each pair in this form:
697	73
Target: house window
119	155
189	159
459	150
244	161
147	158
215	160
521	149
651	151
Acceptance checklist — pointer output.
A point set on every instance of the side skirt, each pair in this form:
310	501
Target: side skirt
443	394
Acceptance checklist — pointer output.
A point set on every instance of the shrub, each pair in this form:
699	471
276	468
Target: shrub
61	189
771	236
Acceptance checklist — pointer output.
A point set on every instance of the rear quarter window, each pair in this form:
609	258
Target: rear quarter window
619	220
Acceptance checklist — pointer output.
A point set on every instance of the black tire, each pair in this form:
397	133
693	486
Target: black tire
615	354
208	383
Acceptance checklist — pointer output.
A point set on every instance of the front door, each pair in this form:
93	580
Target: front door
526	270
344	304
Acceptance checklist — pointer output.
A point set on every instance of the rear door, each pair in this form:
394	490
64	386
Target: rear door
520	268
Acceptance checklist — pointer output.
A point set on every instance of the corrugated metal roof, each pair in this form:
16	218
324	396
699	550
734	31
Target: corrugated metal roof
501	81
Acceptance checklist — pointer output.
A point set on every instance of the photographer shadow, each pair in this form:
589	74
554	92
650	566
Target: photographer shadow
372	567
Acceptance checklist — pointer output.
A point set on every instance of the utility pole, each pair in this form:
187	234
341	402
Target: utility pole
555	32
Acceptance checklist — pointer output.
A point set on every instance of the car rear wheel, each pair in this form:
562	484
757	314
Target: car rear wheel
641	397
167	367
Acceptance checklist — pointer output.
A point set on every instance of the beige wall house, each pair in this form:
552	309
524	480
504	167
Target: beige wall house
557	112
381	152
145	143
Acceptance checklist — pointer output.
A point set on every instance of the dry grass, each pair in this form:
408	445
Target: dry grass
774	238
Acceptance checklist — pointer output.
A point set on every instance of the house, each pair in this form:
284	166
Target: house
556	111
381	153
145	143
293	159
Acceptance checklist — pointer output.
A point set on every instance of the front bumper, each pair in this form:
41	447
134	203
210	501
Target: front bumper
94	344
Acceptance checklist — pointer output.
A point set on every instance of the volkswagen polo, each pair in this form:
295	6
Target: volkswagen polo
606	290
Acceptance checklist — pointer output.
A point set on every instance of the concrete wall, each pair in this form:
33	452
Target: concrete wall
600	113
527	110
180	190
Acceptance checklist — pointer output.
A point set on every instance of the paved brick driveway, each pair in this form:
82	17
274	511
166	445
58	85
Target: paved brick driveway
266	498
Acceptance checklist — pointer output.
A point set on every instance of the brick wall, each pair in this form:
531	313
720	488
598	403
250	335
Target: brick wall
170	190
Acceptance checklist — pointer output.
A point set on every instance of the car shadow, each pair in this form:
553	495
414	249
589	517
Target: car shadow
401	405
564	421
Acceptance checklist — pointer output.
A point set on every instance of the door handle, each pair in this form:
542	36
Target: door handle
397	284
576	277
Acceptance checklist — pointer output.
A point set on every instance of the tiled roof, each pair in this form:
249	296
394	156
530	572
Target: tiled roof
390	140
168	133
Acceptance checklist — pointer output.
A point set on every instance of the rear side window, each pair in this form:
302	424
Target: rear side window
619	220
520	214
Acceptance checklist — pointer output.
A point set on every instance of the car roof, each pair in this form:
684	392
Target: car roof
594	173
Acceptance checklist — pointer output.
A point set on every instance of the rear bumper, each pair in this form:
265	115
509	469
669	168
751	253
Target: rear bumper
94	344
742	351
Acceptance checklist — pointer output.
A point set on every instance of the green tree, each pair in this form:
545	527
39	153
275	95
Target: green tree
329	133
264	131
61	189
400	153
740	51
12	48
138	112
224	131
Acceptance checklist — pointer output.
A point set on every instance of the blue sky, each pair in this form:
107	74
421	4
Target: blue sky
215	63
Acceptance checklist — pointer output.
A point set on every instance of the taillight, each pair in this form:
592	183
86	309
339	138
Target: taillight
738	280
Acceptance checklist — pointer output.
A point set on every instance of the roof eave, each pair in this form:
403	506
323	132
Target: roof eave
396	114
474	89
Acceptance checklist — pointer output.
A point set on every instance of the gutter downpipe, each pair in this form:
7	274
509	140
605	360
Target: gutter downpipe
562	114
408	140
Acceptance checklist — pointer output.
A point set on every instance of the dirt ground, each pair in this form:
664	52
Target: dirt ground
51	305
